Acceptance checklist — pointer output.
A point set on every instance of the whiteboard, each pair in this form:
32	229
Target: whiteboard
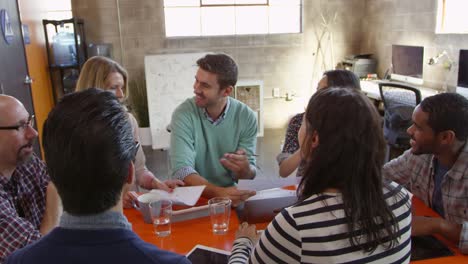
169	82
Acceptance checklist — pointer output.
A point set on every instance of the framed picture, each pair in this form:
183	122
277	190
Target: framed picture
7	30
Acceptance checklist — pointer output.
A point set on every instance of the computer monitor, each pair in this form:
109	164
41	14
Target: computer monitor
407	64
462	83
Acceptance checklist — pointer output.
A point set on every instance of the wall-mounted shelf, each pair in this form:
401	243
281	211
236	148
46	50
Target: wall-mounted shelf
66	53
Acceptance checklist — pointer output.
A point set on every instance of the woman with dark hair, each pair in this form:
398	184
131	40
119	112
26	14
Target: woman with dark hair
289	158
345	211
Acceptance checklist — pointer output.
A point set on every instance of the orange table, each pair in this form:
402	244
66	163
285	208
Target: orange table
185	235
419	208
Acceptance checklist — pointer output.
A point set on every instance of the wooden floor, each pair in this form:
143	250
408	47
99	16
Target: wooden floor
267	149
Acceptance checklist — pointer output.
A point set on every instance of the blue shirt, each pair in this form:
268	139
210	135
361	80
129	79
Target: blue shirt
102	238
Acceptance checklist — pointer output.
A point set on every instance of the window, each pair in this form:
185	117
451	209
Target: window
451	16
57	10
231	17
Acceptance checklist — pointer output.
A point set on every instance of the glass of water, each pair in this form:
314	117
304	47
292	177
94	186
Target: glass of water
161	212
220	213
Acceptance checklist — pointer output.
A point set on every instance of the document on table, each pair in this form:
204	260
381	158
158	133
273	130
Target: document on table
183	195
267	183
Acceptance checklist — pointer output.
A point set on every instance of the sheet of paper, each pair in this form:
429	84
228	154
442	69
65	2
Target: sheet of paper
267	183
183	195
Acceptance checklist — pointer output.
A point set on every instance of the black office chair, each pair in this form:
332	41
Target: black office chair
399	102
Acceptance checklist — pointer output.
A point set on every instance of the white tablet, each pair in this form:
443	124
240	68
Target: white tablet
202	254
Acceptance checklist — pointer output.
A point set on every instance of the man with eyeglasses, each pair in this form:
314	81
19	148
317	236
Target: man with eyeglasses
29	205
90	150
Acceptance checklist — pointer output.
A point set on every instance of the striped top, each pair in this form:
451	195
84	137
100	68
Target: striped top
315	231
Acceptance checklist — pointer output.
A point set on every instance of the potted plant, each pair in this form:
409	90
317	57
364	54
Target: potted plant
138	105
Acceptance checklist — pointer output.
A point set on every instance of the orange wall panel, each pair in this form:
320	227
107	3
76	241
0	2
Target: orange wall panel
32	13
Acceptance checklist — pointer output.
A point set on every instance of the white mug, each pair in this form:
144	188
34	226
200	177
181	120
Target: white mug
142	205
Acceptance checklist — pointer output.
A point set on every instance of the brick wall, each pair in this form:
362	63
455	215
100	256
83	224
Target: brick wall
285	61
404	22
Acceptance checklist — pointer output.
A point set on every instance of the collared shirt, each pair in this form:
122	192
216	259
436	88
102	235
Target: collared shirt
101	238
416	173
220	118
104	220
22	206
187	170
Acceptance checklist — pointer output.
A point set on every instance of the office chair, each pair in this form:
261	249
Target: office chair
399	102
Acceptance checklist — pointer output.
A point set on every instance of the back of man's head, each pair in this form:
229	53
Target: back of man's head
447	111
88	145
223	66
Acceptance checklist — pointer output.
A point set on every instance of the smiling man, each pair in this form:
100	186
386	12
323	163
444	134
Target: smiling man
213	135
29	205
435	169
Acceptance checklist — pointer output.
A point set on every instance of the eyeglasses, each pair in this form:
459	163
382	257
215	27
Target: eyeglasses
21	126
137	146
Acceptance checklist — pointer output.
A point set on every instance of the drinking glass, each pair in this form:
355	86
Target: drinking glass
220	212
161	212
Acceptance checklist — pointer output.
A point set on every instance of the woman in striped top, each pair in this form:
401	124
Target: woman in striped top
346	213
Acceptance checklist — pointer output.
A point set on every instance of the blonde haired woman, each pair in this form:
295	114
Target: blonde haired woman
104	73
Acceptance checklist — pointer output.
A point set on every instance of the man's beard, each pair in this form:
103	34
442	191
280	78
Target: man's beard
24	158
423	149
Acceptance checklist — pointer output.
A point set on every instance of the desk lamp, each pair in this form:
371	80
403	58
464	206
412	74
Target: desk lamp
447	64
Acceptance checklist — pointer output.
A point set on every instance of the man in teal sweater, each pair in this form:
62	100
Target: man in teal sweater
213	135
